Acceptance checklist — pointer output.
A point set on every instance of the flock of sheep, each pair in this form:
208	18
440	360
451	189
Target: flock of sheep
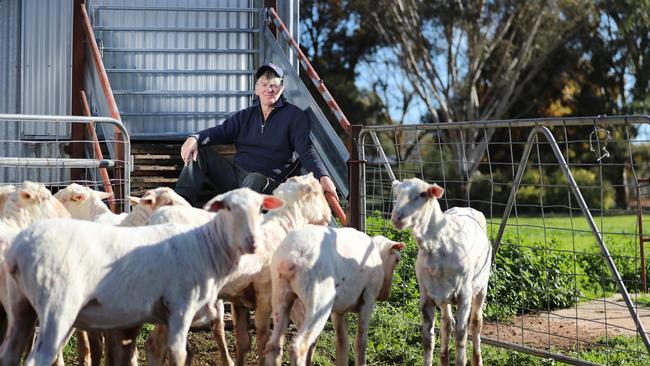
68	262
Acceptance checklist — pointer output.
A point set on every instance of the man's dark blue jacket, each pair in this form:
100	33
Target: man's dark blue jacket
268	147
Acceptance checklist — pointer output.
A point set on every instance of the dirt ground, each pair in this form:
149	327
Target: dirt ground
567	329
570	328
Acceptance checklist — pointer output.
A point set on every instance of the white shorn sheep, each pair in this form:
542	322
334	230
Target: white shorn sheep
94	276
452	267
4	194
84	203
152	201
22	206
25	205
329	271
249	285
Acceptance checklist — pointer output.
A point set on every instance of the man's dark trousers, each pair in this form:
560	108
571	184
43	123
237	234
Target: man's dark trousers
222	173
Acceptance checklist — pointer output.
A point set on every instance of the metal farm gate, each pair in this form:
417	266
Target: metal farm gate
48	160
559	190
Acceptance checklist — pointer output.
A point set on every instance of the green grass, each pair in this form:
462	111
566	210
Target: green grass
619	231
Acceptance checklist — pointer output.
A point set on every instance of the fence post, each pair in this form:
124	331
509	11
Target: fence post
354	175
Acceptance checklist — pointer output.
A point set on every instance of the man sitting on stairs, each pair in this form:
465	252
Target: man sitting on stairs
271	141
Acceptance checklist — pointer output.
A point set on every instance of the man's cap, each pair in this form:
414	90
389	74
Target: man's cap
269	66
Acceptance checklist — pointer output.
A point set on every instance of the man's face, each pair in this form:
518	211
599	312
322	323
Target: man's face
269	90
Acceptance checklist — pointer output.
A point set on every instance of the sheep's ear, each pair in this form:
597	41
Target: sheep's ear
147	200
214	205
25	195
165	201
103	195
79	197
271	203
398	246
395	185
133	200
435	190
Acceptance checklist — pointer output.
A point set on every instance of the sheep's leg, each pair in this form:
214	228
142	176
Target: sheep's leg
83	348
219	333
262	315
313	324
341	331
310	354
179	326
96	340
83	352
297	315
365	313
122	346
428	330
243	338
156	346
477	325
52	336
20	331
464	307
282	300
446	327
3	322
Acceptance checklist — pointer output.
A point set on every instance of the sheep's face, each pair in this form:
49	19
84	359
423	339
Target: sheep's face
391	253
411	196
33	201
306	194
81	201
153	199
241	212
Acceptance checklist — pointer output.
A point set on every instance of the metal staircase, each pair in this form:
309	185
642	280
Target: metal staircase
177	67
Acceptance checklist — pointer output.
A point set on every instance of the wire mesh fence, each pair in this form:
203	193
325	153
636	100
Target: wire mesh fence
565	209
59	150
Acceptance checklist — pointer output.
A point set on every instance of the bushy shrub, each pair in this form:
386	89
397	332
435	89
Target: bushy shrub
528	277
596	276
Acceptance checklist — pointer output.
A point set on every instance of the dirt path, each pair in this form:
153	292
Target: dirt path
569	328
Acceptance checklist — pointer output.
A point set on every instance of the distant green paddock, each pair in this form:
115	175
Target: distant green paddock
620	232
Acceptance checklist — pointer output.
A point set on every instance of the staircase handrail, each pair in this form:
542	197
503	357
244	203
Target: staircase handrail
106	88
311	72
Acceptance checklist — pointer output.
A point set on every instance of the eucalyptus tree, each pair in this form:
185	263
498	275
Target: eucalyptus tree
471	60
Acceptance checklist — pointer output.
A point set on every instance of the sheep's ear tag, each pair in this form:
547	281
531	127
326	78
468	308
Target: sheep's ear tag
398	246
435	190
271	203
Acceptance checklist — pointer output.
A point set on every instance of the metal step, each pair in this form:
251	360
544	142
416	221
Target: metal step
179	50
211	102
162	60
182	83
174	9
182	71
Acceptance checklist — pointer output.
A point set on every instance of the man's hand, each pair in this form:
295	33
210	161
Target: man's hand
189	150
328	185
